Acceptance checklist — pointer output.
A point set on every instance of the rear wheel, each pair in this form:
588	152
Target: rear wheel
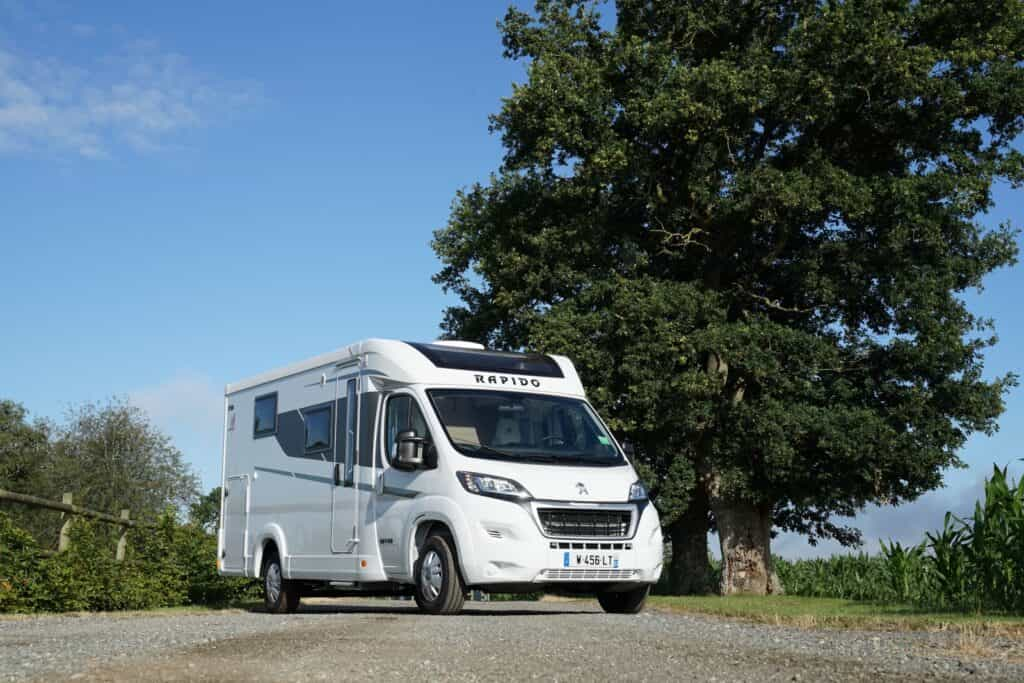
279	595
439	588
624	602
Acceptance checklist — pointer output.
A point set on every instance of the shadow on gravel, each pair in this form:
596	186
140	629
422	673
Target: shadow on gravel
397	607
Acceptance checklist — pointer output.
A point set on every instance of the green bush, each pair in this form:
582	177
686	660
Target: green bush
168	565
19	573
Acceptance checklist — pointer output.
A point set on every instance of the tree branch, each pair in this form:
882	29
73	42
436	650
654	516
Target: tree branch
774	304
679	240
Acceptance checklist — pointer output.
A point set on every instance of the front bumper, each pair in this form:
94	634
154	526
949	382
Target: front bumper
508	546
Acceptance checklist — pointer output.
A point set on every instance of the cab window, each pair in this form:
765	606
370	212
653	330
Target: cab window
403	414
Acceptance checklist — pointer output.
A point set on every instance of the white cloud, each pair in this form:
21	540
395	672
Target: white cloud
188	407
906	524
139	97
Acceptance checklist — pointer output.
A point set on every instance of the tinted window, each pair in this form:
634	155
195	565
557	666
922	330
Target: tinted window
265	412
318	428
489	361
403	415
350	430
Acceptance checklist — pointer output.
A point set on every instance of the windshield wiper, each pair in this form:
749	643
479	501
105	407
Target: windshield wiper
481	448
538	457
577	458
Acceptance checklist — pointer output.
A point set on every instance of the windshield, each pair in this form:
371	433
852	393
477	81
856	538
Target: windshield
524	427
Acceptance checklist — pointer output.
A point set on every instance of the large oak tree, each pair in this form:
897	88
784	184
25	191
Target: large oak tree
752	225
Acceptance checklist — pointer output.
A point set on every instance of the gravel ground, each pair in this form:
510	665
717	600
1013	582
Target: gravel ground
565	641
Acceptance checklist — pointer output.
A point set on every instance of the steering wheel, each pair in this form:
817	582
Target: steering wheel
554	440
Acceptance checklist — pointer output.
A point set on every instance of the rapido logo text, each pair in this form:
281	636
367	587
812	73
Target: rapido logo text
507	380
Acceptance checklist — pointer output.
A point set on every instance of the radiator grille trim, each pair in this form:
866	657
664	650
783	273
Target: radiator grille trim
585	523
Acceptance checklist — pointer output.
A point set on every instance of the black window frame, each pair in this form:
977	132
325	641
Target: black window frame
311	410
257	433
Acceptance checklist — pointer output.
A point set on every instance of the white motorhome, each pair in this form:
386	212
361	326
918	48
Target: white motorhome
390	467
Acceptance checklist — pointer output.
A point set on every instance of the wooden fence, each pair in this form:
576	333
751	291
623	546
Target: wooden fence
69	510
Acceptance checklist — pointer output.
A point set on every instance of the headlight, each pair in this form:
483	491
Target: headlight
498	487
637	491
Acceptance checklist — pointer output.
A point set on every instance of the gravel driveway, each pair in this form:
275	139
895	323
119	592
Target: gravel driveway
565	641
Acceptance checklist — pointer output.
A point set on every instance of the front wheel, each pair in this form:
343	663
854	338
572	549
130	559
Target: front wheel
624	602
439	588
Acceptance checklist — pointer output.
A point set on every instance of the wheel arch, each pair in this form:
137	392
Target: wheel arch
269	535
428	525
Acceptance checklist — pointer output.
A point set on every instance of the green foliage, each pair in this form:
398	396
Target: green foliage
979	562
24	460
752	224
205	512
510	597
904	569
896	577
21	446
107	455
975	564
112	456
168	565
19	571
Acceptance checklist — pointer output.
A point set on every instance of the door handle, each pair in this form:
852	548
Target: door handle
380	484
337	474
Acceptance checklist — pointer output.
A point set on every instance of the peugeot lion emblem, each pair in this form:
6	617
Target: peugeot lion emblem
581	489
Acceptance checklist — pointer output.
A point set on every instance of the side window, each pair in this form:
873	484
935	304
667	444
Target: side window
265	415
403	415
318	428
350	430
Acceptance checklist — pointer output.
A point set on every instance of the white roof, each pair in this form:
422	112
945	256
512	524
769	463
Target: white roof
336	356
402	362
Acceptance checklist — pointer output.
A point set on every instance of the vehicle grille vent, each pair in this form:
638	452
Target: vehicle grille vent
588	574
588	523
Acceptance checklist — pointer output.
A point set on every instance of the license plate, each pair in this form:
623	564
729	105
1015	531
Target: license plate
590	560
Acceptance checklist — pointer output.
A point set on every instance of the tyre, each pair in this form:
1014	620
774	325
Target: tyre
439	588
624	602
280	596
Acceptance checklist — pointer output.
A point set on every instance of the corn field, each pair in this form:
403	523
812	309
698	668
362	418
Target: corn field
971	564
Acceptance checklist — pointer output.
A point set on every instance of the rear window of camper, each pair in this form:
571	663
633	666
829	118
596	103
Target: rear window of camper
265	412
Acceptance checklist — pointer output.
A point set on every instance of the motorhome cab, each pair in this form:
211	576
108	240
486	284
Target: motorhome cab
389	467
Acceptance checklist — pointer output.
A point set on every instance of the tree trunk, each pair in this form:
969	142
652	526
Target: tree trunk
744	530
689	571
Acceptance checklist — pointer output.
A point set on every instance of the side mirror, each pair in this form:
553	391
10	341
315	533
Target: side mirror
628	449
411	450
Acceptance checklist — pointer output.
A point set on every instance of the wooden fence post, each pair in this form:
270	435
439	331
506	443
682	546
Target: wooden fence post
122	542
65	529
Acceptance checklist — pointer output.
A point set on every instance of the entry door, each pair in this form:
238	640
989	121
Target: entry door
236	518
397	488
345	496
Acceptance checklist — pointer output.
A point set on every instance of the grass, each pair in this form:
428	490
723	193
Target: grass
830	613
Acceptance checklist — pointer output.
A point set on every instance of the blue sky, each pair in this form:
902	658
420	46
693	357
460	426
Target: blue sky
191	194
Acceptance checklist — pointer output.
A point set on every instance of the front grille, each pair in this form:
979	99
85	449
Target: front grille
589	523
588	574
